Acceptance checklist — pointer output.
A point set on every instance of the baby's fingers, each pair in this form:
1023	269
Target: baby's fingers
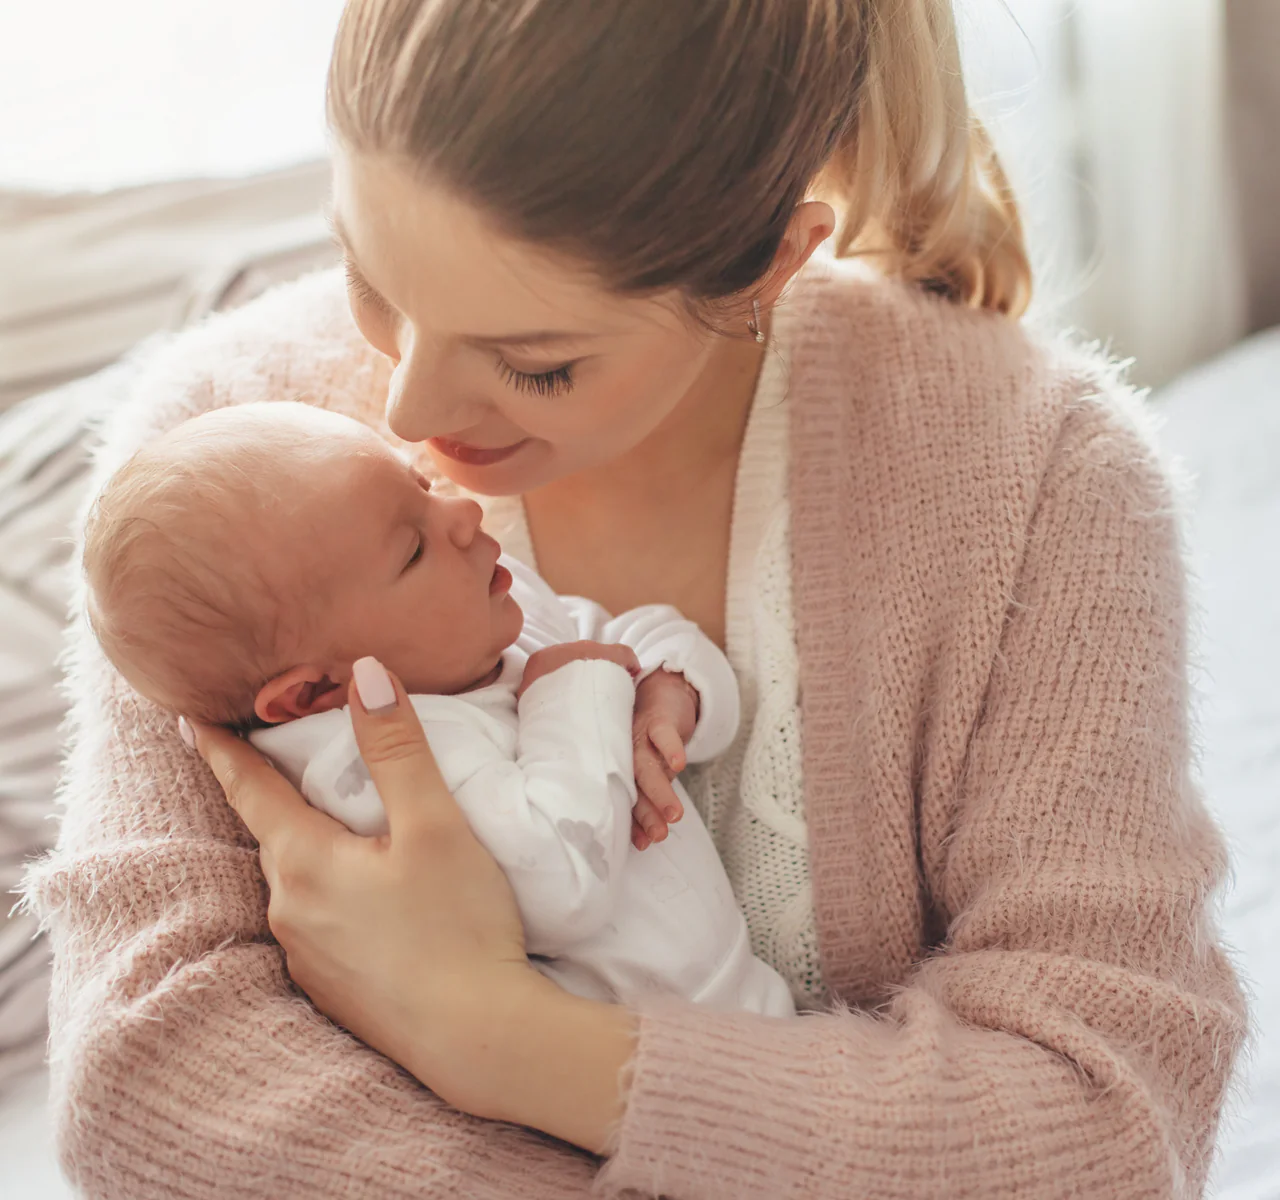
668	742
653	783
646	823
648	813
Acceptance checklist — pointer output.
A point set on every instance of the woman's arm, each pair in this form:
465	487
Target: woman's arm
412	941
1075	1033
185	1063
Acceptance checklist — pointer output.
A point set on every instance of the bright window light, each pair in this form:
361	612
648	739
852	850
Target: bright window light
103	95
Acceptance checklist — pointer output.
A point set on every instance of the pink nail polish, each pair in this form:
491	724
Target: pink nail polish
373	685
188	734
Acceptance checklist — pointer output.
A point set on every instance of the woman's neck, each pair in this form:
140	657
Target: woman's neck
653	526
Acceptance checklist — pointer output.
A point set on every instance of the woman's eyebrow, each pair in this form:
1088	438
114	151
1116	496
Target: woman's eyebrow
537	337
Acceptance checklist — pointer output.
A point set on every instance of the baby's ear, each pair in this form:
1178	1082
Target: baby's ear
298	692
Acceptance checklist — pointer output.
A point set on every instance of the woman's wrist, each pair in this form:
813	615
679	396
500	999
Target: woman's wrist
539	1056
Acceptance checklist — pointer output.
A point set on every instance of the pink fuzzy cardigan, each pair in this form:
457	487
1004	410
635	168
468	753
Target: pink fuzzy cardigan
1010	860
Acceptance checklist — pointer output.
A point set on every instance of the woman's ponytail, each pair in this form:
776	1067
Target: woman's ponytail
914	175
583	126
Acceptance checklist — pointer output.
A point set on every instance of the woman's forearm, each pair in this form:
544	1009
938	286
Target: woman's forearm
542	1057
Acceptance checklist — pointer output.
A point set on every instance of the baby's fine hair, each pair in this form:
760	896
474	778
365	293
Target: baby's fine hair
186	615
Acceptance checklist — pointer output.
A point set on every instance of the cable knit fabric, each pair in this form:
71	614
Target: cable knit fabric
752	797
1011	866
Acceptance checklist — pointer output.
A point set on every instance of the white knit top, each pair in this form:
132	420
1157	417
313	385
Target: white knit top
752	797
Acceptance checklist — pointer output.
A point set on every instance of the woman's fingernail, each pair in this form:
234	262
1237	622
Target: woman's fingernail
188	734
373	685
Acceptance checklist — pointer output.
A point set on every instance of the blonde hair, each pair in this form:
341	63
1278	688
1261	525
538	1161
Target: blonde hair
667	142
178	607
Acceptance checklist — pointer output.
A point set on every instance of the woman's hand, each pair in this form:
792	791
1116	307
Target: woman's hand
665	718
412	940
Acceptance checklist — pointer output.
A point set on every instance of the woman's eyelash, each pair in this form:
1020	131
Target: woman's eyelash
544	383
360	287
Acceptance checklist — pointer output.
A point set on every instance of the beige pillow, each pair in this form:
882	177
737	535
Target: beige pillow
95	276
87	276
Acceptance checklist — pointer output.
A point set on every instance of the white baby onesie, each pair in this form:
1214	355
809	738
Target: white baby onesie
548	785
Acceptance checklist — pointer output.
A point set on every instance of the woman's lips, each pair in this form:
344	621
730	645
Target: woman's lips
501	580
474	456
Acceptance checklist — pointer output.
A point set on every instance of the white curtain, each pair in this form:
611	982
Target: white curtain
1110	116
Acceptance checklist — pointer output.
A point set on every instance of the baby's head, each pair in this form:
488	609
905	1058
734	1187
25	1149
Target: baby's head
239	565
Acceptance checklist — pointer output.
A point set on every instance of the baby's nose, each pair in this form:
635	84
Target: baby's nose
464	518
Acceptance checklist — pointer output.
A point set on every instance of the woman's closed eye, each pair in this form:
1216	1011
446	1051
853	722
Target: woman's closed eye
542	383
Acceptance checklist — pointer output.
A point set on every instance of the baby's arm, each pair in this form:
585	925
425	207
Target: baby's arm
664	640
688	695
556	819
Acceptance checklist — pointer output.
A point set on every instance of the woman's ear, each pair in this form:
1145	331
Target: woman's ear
298	692
811	224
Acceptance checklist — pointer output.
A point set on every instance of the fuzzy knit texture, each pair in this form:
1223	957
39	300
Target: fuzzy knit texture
1011	866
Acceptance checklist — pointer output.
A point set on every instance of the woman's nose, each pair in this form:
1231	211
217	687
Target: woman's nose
420	401
463	518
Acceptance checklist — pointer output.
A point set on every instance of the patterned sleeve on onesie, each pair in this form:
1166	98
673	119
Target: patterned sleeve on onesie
551	800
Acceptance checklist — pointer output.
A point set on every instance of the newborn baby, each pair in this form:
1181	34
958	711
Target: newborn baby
239	565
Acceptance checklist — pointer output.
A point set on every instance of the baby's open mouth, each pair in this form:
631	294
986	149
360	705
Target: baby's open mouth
500	581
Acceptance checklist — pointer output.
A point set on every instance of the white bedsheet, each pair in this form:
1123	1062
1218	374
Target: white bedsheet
28	1169
1223	420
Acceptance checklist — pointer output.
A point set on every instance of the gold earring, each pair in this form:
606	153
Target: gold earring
754	324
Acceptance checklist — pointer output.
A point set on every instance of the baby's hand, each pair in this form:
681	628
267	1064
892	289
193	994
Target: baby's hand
665	718
543	662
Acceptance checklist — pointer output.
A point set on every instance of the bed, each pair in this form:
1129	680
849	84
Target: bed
1222	420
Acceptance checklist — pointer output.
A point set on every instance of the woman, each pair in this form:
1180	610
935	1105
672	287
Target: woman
940	556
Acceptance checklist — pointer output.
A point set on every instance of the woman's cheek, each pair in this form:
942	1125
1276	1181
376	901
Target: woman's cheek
591	419
639	402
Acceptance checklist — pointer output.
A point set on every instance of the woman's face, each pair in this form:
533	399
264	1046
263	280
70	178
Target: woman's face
515	368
